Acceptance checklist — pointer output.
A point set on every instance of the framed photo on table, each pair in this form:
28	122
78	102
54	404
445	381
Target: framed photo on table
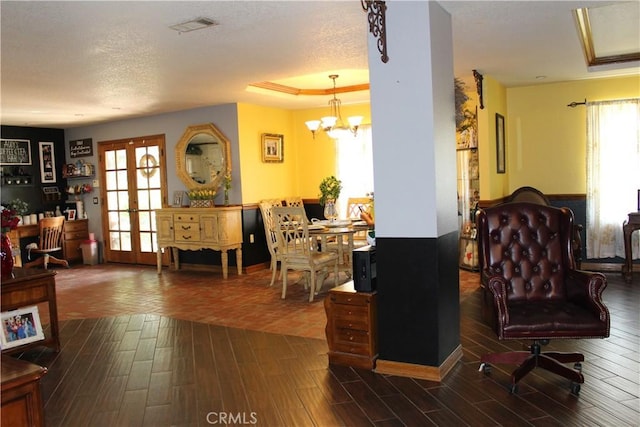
47	163
20	327
71	214
500	144
272	148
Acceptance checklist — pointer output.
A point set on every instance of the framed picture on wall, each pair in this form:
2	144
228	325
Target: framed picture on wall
47	163
500	145
272	148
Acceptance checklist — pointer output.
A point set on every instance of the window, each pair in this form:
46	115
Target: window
613	175
355	166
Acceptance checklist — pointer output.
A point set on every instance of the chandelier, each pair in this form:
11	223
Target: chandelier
333	124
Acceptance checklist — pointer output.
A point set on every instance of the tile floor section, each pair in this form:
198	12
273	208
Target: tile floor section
246	301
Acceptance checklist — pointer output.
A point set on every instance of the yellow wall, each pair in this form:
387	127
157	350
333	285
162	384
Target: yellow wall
317	157
306	160
265	180
546	140
492	184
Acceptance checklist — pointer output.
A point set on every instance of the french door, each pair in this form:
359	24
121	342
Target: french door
132	186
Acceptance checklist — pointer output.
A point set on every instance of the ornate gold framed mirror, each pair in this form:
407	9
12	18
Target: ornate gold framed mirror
203	157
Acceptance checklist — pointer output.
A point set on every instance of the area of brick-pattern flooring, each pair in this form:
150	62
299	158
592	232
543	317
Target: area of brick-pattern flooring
246	301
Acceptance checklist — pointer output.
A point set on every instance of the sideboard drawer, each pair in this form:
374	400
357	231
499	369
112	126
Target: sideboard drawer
186	217
187	235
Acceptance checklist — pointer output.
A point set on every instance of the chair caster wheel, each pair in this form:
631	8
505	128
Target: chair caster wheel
575	389
485	368
577	366
514	389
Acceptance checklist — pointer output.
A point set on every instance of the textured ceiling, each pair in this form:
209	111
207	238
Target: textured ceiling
66	64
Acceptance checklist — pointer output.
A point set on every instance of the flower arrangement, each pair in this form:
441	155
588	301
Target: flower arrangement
227	187
330	188
19	206
201	198
10	219
201	194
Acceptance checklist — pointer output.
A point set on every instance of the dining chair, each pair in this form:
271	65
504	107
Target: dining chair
294	201
355	205
50	241
298	250
266	207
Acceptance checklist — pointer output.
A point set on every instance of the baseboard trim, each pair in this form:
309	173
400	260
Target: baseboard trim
608	267
411	370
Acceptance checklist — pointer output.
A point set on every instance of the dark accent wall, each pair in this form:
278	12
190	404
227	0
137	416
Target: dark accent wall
418	298
32	193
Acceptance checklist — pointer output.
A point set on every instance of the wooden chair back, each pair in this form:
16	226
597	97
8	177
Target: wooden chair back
50	235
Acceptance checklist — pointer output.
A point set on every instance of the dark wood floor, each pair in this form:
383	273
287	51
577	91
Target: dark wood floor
151	370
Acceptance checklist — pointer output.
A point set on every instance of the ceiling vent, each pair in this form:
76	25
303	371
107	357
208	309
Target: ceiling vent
193	25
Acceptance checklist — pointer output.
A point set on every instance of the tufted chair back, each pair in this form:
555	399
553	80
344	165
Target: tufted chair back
530	246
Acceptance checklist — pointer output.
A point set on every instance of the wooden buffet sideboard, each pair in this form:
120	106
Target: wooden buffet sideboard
218	228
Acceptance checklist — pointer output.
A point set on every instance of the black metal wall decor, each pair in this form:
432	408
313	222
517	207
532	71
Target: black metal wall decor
376	13
478	77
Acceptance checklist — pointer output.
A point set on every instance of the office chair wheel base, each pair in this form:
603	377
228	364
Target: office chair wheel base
577	366
513	389
485	368
575	389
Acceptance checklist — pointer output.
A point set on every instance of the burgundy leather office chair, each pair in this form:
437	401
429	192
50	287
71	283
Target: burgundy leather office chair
532	290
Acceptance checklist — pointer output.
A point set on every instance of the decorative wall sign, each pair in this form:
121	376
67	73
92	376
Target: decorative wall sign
81	148
272	148
47	163
15	152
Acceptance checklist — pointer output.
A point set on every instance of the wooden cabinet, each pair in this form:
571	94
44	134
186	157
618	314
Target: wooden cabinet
21	398
351	327
193	229
75	232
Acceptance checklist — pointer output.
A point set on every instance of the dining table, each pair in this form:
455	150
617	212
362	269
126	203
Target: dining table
338	235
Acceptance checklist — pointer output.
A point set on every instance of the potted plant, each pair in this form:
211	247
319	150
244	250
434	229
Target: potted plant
329	192
330	188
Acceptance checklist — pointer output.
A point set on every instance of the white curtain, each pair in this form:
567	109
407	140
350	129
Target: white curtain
613	175
355	165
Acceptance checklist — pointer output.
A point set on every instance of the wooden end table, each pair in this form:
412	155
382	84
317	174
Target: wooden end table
628	228
31	286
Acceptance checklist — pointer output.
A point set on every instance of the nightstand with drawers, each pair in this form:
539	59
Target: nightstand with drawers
351	329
